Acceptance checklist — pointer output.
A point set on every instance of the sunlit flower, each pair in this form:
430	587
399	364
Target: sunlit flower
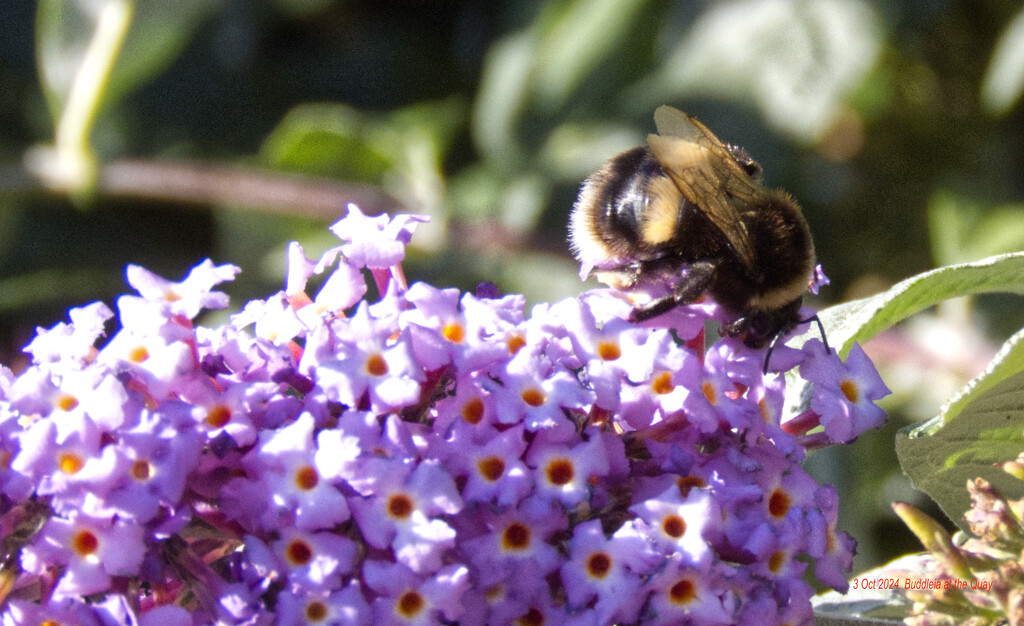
429	457
844	393
92	551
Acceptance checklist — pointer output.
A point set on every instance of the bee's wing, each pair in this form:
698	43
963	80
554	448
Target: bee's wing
706	174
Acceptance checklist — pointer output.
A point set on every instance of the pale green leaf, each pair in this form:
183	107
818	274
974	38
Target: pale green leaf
1003	83
961	227
860	320
325	140
575	37
502	96
982	426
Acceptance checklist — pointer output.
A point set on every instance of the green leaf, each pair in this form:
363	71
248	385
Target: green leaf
981	426
573	151
53	286
1003	83
502	97
575	37
325	140
1006	363
963	228
160	31
90	53
536	71
401	151
861	320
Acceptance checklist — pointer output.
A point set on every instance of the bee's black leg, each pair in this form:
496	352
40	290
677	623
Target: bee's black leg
652	309
686	291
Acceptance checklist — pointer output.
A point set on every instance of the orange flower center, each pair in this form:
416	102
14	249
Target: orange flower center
138	354
65	402
598	565
70	463
218	416
683	592
779	503
410	604
316	611
141	470
85	543
516	537
560	472
533	397
674	526
515	343
453	332
376	365
306	478
473	411
492	468
850	390
608	351
662	383
299	553
710	392
400	506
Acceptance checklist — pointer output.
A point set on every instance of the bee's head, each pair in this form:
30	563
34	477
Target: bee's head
768	327
758	327
744	160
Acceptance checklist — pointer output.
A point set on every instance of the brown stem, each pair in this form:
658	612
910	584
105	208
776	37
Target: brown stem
217	184
214	184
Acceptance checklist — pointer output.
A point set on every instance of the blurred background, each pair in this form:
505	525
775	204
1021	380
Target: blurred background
228	128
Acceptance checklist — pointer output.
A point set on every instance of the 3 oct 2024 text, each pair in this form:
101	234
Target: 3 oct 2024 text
918	584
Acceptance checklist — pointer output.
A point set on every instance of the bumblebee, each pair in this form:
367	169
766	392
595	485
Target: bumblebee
687	215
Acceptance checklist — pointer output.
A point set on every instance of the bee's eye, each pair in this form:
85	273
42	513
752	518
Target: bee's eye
742	158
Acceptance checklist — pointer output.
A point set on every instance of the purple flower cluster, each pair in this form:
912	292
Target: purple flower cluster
430	457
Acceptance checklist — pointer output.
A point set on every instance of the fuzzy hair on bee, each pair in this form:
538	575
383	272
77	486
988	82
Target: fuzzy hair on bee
689	214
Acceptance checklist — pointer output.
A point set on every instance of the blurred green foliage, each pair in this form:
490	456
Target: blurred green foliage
897	126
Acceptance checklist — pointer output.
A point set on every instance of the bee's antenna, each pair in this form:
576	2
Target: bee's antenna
821	328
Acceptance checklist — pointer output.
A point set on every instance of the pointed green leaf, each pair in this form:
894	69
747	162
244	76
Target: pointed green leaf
981	426
861	320
325	140
575	37
1004	80
962	228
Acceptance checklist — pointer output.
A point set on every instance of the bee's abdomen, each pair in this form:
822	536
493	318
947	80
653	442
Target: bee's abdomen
625	198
